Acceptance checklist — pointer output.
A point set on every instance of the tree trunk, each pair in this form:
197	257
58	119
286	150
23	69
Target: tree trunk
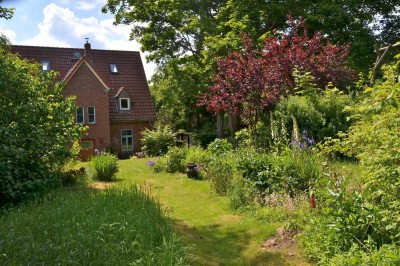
233	124
220	125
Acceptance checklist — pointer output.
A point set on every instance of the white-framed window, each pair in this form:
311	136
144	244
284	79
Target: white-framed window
45	65
113	68
80	115
124	104
91	111
127	139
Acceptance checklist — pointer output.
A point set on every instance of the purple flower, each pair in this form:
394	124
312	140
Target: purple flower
196	169
96	151
151	163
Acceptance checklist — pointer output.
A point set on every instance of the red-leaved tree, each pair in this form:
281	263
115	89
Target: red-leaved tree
250	81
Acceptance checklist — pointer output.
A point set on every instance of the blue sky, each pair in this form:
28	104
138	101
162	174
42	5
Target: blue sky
66	23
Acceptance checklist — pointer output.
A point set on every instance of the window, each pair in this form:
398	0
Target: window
80	116
127	140
45	65
87	144
91	111
124	103
113	68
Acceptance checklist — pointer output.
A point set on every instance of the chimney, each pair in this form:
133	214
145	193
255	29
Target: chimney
88	49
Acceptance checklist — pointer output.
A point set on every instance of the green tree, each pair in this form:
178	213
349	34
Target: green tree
6	13
37	128
187	37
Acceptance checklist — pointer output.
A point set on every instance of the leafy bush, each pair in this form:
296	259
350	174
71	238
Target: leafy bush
37	129
175	160
320	114
369	219
219	147
386	255
261	171
220	171
240	193
302	169
105	166
157	142
73	177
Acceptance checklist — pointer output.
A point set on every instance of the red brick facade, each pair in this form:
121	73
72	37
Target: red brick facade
89	91
121	99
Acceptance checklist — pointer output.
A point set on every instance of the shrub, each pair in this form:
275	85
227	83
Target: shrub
157	142
321	114
105	166
370	219
73	177
220	171
219	147
302	168
240	193
175	160
37	129
262	172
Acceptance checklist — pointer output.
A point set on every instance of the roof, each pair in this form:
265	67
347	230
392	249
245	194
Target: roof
130	76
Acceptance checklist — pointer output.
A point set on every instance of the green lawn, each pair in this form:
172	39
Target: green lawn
204	219
118	225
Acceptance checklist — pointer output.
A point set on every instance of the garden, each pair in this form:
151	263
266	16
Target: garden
303	169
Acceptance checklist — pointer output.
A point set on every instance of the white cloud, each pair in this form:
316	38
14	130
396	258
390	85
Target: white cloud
9	34
82	5
62	28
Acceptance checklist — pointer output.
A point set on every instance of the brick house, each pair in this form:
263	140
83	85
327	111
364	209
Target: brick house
112	94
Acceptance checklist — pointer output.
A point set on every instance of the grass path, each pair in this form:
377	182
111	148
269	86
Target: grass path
204	220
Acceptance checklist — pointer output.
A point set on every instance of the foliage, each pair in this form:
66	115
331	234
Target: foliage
220	171
186	38
6	13
73	177
252	81
368	219
115	226
175	160
37	128
261	172
386	255
219	147
302	169
240	193
105	166
322	114
157	142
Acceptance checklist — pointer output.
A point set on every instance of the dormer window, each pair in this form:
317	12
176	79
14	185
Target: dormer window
45	65
113	68
124	104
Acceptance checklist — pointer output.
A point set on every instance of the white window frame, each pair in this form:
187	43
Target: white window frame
125	137
120	104
83	114
94	115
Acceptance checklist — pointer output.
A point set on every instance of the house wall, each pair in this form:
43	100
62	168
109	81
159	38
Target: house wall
116	128
89	91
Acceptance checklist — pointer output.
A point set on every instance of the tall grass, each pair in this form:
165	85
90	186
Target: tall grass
115	226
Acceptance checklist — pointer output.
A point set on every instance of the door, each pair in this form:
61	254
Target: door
87	149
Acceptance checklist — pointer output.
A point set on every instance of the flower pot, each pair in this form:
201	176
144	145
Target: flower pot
192	170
